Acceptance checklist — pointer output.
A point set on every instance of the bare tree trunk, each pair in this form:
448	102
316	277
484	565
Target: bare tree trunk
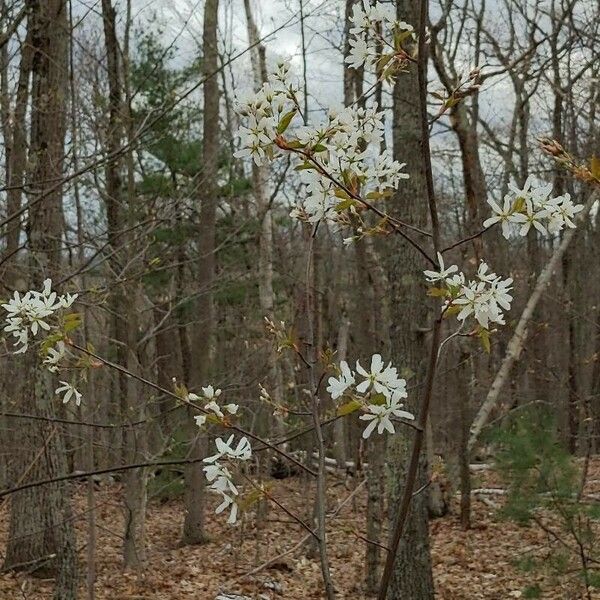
88	410
193	526
15	137
41	532
120	209
16	140
412	574
260	176
370	341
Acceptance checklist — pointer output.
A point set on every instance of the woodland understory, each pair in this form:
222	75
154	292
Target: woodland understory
299	299
485	562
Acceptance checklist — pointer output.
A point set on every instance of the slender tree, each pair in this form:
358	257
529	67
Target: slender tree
193	527
412	576
41	533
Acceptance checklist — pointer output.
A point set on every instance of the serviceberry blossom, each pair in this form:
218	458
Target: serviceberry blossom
221	482
361	53
336	166
211	394
484	298
562	211
54	356
32	312
532	206
219	476
340	167
200	420
377	38
384	379
379	395
69	391
266	113
503	215
443	273
386	173
337	386
243	450
380	415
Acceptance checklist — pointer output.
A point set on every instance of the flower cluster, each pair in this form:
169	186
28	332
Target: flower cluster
267	113
34	312
533	206
220	477
30	313
484	297
379	393
211	394
333	158
338	167
378	39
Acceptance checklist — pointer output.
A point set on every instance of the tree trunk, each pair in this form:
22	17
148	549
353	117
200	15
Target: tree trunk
412	576
193	526
41	536
260	176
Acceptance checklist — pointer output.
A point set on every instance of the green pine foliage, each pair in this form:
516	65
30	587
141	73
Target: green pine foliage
543	480
538	470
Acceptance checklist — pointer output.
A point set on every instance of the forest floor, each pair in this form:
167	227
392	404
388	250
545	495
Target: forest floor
481	563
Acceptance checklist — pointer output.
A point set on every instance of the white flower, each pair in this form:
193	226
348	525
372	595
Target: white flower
501	215
222	483
395	406
67	300
443	273
500	293
387	172
231	408
373	25
29	313
525	191
380	415
383	379
361	53
210	392
338	386
531	217
243	450
221	478
54	356
228	501
215	470
215	408
562	212
69	391
531	206
473	304
484	299
483	273
200	420
47	287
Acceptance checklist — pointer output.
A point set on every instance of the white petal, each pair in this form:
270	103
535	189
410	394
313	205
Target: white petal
376	363
369	429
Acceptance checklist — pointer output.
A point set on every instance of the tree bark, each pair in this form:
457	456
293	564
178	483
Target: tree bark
41	531
412	574
193	526
260	177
